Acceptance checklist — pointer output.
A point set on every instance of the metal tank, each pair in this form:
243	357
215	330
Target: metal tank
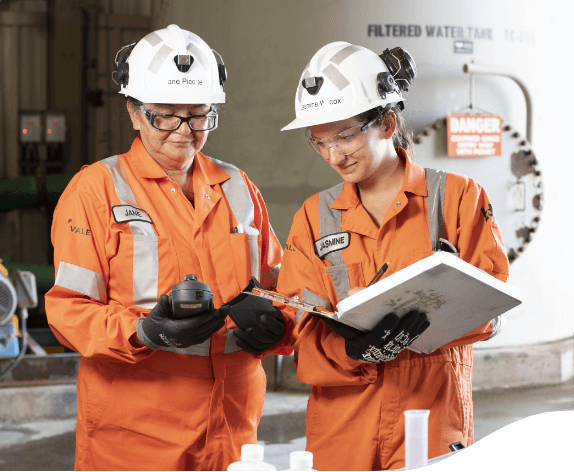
266	47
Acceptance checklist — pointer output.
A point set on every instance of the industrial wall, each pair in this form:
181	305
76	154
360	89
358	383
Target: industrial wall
266	45
58	57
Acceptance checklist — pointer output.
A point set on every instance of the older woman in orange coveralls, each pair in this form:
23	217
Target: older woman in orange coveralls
383	211
154	392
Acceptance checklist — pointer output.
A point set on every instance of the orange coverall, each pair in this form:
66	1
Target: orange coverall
355	415
142	409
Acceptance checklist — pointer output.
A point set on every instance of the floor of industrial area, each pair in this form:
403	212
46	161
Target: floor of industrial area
50	445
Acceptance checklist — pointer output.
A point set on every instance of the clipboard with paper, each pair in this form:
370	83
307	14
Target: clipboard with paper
456	297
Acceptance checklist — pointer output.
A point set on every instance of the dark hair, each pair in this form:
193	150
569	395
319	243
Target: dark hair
403	136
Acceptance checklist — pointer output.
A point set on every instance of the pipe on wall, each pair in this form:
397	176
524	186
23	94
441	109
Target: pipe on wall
32	192
476	69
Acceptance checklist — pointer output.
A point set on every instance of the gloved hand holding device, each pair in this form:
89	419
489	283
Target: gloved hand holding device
387	339
260	325
194	321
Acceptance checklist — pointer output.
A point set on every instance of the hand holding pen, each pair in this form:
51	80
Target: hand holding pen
377	277
379	274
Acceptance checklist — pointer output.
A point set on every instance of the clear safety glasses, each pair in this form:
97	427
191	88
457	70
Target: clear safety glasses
205	122
346	142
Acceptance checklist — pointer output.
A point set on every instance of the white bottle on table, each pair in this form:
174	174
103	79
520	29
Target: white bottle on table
251	459
416	438
301	460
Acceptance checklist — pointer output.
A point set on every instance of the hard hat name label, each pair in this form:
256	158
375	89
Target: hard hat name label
312	105
184	81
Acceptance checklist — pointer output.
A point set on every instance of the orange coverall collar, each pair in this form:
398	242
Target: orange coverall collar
414	182
147	167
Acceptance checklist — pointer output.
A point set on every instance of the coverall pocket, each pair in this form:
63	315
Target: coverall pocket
148	264
245	255
95	391
339	279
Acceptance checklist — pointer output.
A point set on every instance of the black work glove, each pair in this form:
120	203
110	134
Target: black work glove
260	325
269	332
158	329
387	339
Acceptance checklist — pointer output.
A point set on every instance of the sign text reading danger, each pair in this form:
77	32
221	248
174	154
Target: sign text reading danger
474	135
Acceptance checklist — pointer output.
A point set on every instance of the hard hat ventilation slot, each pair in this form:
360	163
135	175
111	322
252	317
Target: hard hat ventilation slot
183	62
312	84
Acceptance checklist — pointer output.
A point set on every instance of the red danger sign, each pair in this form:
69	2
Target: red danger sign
474	135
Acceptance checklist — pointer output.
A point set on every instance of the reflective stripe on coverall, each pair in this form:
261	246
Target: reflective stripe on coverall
123	234
356	406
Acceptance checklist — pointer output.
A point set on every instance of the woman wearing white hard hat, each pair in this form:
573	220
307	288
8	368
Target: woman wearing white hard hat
386	214
157	390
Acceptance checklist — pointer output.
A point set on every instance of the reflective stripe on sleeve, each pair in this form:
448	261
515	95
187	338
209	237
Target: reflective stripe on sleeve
230	346
195	350
84	281
313	299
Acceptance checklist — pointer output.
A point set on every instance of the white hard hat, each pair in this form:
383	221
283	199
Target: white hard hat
343	80
171	66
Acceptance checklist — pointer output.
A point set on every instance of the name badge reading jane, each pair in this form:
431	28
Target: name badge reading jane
332	243
125	213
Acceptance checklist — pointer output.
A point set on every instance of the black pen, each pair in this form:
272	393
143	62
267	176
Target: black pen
379	274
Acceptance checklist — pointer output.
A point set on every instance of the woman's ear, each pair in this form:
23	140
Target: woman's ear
134	116
389	126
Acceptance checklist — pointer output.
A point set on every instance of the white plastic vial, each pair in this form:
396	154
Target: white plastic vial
416	438
251	459
301	460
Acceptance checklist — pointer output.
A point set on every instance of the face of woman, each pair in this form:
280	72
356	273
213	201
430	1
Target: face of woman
171	149
372	150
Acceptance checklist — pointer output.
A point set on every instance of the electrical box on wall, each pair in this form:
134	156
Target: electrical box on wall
55	129
31	128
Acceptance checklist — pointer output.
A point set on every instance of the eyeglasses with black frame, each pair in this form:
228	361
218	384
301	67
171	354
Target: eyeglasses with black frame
346	142
207	122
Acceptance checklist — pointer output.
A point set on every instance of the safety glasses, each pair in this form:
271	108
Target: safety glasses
346	142
205	122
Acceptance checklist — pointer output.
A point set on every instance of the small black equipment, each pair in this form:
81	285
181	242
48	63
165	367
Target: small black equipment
402	67
190	298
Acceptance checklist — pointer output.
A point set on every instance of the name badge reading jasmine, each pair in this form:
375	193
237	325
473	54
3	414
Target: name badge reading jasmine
126	213
332	243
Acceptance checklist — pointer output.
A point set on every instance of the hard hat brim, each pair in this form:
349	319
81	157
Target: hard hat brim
312	121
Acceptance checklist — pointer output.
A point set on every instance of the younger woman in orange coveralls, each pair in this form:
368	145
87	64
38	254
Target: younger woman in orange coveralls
154	392
351	100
